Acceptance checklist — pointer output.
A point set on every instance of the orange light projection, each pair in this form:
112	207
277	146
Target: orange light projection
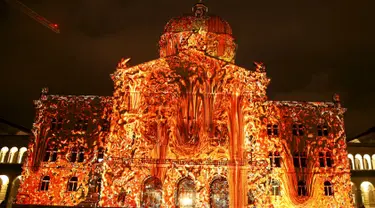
190	129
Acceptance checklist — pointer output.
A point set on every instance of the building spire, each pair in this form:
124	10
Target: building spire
199	9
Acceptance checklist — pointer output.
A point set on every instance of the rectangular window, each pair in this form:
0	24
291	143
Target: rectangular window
322	130
300	160
297	130
273	130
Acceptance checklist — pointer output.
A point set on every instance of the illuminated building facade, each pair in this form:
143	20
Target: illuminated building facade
190	129
361	156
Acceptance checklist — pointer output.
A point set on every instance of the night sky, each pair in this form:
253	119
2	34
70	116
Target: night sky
312	48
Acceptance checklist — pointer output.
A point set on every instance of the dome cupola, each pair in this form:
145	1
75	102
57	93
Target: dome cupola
210	34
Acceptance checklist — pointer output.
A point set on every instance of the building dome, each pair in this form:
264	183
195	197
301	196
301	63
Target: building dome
213	24
210	34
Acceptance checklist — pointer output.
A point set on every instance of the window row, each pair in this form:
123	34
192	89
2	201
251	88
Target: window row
13	155
297	130
358	162
72	184
79	125
75	155
300	159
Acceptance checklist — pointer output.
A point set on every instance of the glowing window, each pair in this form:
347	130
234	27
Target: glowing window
219	193
302	190
275	187
297	130
328	188
4	154
186	193
322	130
152	193
272	129
73	184
100	156
44	183
275	159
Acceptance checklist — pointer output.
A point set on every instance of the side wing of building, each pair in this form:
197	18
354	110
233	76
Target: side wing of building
307	158
64	161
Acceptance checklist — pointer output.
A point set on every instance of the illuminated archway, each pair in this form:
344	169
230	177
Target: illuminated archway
4	154
186	193
13	155
152	193
13	191
367	192
358	162
373	161
21	155
367	162
219	193
351	161
4	187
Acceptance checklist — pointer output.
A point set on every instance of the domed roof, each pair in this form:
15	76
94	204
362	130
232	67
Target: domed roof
199	20
214	24
209	34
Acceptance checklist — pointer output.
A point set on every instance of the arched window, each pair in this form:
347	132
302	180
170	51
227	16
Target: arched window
351	161
4	154
367	162
44	183
73	155
302	190
219	193
13	155
367	192
73	184
21	155
275	187
100	156
358	162
328	188
81	155
152	193
13	191
4	181
186	193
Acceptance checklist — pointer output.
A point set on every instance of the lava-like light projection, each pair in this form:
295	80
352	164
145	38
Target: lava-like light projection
190	129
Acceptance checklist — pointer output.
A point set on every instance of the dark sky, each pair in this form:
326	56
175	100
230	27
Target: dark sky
312	48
